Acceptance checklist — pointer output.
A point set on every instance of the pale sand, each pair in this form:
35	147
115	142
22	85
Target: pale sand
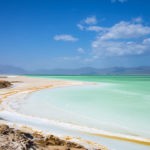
31	84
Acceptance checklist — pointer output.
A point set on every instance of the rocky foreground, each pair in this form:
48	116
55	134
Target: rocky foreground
5	84
13	139
20	139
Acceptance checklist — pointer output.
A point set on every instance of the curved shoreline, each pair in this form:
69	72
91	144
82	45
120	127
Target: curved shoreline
52	84
9	92
106	134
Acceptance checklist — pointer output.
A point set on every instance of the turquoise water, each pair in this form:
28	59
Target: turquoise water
118	104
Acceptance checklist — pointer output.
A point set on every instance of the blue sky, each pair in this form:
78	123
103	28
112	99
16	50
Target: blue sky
74	33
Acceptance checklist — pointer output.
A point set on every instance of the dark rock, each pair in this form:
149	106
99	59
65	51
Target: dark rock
4	84
11	139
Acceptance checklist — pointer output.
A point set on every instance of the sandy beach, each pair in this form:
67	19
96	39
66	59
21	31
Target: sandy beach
28	84
22	84
19	89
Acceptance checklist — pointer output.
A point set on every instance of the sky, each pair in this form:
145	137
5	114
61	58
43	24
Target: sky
46	34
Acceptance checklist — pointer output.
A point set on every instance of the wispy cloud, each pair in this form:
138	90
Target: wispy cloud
90	20
120	48
81	50
95	28
80	26
69	58
121	1
65	37
123	38
90	24
124	30
137	20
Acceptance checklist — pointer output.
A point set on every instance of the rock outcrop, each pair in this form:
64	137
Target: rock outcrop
12	139
4	84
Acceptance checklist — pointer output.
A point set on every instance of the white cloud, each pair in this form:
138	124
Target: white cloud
119	48
121	1
137	20
80	26
95	28
90	20
124	38
146	41
89	24
65	37
91	28
125	30
81	50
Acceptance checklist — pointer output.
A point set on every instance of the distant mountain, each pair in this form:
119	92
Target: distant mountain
7	69
80	71
97	71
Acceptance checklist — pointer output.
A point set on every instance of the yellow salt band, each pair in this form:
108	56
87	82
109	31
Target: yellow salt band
138	140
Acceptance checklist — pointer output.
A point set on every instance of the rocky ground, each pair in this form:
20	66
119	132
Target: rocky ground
13	139
18	139
5	84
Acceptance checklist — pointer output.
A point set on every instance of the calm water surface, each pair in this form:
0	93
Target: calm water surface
118	104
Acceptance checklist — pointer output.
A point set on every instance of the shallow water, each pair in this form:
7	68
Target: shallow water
116	104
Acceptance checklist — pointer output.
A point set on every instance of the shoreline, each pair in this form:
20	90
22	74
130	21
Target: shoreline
29	84
61	83
22	84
